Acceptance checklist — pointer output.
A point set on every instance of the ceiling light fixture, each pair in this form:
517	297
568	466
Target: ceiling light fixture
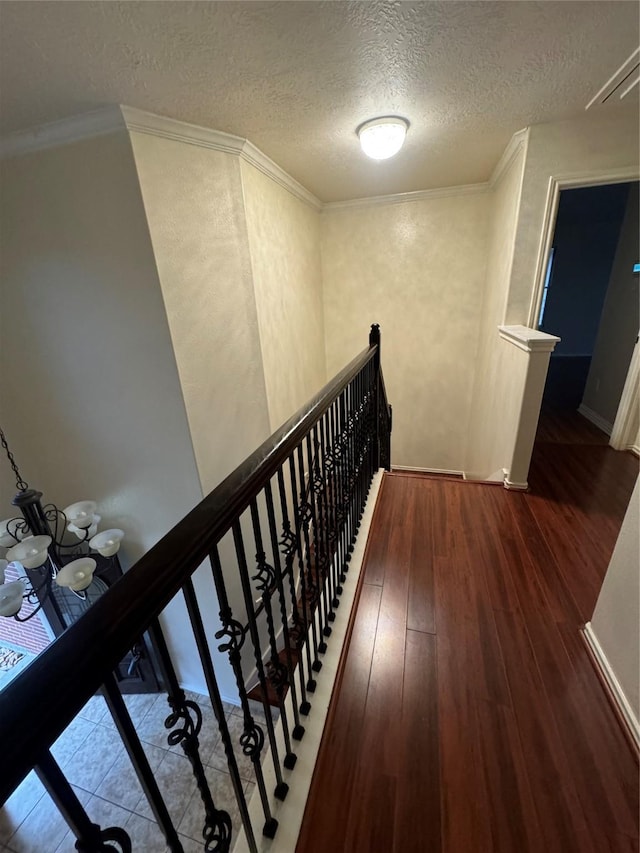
383	137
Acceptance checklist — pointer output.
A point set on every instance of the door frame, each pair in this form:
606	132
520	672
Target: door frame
629	401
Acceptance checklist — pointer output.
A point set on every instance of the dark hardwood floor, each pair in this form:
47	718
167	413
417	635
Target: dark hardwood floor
468	717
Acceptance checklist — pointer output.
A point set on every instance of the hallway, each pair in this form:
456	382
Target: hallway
469	717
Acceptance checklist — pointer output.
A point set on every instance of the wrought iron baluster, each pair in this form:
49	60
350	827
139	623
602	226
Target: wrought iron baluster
91	838
252	737
314	586
277	671
318	561
140	763
291	548
281	786
336	456
185	721
306	593
349	466
320	496
327	511
298	729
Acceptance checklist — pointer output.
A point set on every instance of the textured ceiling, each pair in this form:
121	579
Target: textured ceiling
296	78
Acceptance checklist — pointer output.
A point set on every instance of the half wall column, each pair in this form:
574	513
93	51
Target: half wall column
535	349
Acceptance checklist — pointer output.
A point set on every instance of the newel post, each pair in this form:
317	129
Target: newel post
374	341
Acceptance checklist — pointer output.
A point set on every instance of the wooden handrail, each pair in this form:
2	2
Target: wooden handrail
40	703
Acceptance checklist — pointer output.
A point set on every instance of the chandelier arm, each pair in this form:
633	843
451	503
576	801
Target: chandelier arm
19	524
31	594
37	609
57	516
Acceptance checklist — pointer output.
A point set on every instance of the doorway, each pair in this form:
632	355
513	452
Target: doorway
590	299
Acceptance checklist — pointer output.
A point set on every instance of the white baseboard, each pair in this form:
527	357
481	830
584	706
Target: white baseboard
290	812
616	693
634	448
595	418
515	487
410	468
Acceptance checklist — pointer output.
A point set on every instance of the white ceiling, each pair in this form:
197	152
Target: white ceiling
296	78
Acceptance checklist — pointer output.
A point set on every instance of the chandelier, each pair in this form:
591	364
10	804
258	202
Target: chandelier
50	549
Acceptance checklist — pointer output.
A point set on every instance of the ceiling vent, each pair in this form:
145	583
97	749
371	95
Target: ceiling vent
620	84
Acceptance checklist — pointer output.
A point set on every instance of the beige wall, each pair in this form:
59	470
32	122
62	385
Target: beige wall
91	397
284	242
600	141
500	368
418	269
193	202
616	619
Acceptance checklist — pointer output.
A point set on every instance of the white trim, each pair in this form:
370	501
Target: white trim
403	198
255	157
193	134
625	421
634	448
180	131
113	118
595	418
410	468
517	141
565	181
290	812
515	487
62	132
528	340
617	693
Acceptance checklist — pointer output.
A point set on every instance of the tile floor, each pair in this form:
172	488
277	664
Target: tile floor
94	761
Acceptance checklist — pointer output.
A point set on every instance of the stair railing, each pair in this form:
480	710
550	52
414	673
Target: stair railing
282	527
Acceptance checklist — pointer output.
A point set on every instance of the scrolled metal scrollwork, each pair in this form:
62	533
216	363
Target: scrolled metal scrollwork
235	632
187	716
278	675
181	709
217	834
104	840
265	576
252	739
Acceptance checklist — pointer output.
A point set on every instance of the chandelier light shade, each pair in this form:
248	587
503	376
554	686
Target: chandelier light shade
77	574
48	548
31	552
381	138
107	543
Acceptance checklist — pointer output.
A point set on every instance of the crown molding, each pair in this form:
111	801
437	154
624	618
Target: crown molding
193	134
51	135
180	131
518	140
114	118
403	198
266	165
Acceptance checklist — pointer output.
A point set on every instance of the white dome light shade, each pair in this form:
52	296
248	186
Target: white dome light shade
11	598
78	574
381	138
86	532
31	552
81	513
107	543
